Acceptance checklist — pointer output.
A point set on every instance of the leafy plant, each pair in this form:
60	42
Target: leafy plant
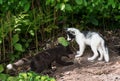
1	68
63	41
3	77
17	45
14	5
29	76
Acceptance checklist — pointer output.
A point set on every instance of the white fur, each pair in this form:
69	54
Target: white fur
68	38
18	63
96	42
9	66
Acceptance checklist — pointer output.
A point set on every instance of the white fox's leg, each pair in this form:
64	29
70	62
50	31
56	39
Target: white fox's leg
101	53
81	50
94	49
105	52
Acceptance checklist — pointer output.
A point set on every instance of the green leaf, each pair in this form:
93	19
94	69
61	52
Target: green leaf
85	2
66	1
12	78
68	7
32	32
26	45
23	75
3	77
0	41
63	41
52	79
119	6
29	40
52	1
27	7
48	2
57	6
1	1
79	2
113	5
15	39
37	78
93	20
23	40
18	47
43	78
62	6
1	68
30	74
117	17
112	2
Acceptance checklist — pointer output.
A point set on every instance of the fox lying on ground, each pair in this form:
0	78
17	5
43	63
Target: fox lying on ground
44	59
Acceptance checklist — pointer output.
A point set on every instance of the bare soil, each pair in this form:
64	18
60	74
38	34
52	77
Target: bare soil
83	70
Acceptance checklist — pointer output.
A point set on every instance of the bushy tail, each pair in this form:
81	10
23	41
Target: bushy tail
18	63
105	52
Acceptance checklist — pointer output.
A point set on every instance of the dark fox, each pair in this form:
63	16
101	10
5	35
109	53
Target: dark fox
44	59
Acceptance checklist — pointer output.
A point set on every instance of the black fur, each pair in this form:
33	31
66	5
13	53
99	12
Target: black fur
70	34
43	60
85	33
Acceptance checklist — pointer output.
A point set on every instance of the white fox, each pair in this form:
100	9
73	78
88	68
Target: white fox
93	39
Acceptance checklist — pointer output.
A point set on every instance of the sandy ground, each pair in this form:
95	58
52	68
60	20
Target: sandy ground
84	70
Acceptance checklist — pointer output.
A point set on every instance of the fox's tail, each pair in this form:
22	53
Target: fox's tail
18	63
105	52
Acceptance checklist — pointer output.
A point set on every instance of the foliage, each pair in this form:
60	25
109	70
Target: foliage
62	5
1	68
63	41
22	31
29	76
82	13
14	5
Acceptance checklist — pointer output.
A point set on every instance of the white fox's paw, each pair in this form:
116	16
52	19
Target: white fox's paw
79	54
76	56
91	59
100	59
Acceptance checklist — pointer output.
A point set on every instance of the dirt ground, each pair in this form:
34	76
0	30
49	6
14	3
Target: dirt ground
83	70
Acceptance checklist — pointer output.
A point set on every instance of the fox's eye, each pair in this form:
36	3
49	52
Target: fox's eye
68	32
72	32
